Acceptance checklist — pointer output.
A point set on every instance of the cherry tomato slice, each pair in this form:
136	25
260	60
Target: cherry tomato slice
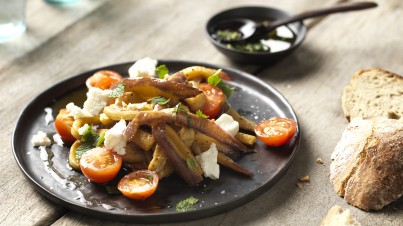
225	76
103	79
215	100
276	131
63	123
100	165
139	184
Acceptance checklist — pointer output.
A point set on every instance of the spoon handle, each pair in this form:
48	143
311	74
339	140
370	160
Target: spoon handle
342	7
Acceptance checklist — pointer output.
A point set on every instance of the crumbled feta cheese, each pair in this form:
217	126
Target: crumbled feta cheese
96	100
58	139
208	162
114	138
228	124
137	106
143	67
93	106
40	139
49	117
76	111
84	128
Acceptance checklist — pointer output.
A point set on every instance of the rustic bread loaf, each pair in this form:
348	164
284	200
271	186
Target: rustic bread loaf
336	216
373	92
367	166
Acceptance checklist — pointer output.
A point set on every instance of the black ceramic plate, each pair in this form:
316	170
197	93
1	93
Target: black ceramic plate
48	169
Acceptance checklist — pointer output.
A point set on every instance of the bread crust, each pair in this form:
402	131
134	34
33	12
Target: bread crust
369	176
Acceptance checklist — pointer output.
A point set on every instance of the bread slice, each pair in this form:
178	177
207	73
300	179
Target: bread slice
367	166
373	92
336	216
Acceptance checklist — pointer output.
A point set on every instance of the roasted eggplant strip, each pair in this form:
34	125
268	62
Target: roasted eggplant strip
160	163
200	73
204	142
244	123
181	148
246	139
187	119
148	87
224	160
116	112
178	77
144	139
133	154
186	169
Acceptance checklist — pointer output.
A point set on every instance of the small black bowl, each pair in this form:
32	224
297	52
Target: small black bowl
254	13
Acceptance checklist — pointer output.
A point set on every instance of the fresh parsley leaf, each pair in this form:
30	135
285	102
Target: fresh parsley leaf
161	71
215	80
159	100
179	108
82	149
187	204
90	140
201	114
226	89
89	136
100	140
118	91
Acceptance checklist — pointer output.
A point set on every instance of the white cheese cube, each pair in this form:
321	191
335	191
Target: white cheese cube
208	162
228	124
143	67
114	139
40	139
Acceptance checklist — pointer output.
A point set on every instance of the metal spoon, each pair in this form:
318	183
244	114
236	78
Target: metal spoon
249	29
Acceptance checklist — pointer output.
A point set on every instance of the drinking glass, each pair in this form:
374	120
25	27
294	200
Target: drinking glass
12	19
62	2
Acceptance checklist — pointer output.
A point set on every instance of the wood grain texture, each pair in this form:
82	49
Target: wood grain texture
62	42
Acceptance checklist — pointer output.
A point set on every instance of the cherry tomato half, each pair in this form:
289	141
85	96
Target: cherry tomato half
276	131
215	100
63	123
139	184
103	79
100	165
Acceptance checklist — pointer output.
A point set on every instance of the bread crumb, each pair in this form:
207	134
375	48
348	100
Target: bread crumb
339	217
305	179
319	160
300	185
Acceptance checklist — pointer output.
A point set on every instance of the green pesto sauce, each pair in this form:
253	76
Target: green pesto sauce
277	40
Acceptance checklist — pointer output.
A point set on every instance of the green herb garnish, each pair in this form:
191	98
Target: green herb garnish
118	91
179	108
159	100
100	140
201	114
82	149
228	35
186	205
162	71
90	140
216	80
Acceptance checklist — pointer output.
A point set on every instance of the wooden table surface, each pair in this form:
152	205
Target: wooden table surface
63	41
